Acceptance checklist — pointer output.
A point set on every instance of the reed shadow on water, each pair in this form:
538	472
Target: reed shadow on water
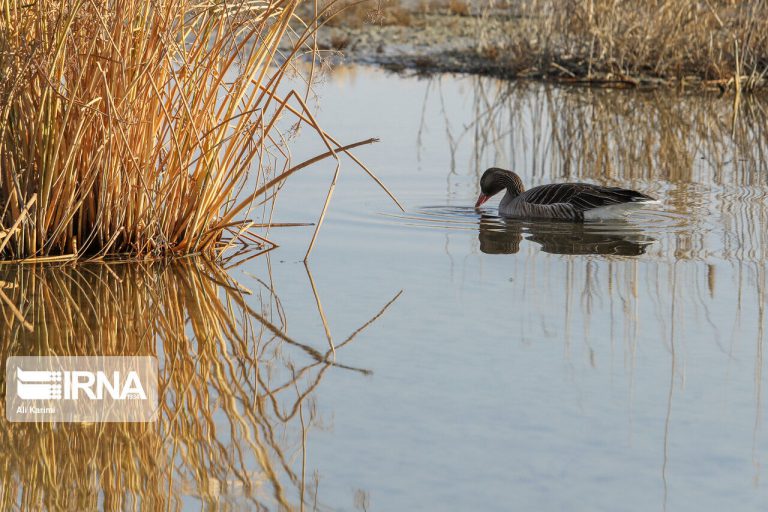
238	395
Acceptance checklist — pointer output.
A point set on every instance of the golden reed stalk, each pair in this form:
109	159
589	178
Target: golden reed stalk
144	128
713	43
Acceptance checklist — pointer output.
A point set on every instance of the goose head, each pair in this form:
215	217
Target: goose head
495	180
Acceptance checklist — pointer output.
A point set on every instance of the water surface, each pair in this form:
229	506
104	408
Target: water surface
537	366
443	358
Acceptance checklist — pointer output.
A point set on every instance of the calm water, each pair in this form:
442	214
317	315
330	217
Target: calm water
478	364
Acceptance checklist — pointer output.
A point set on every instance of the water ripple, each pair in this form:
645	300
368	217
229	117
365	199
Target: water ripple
498	235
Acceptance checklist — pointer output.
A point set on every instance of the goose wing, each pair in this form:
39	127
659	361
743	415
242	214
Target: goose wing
581	197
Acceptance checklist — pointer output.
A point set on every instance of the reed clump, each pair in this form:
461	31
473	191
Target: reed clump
144	128
721	42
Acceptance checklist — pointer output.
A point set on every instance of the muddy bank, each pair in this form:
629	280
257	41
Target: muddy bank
424	42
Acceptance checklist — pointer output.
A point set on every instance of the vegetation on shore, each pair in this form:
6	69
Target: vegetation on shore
710	43
713	42
146	128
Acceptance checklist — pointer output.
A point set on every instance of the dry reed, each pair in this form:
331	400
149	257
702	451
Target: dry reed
146	128
720	42
354	14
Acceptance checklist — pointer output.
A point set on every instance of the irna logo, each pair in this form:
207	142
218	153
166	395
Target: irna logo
74	385
81	388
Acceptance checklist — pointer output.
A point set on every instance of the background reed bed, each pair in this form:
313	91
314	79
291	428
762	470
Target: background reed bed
237	392
147	128
720	42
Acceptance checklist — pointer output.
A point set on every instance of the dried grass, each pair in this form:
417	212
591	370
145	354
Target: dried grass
718	41
458	8
144	128
354	14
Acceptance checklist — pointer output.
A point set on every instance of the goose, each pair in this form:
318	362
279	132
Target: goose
575	202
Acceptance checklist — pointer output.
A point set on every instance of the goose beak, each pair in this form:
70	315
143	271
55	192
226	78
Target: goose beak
480	200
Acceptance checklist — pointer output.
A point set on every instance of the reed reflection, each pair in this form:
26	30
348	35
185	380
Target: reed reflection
609	135
704	156
238	394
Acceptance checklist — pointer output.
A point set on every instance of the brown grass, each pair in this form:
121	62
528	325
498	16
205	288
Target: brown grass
718	41
144	128
458	8
354	14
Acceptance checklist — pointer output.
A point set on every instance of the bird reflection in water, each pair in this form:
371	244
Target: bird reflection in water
503	236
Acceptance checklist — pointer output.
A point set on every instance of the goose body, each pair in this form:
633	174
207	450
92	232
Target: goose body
575	202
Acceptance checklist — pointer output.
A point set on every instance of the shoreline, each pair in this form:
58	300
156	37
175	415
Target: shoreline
436	42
